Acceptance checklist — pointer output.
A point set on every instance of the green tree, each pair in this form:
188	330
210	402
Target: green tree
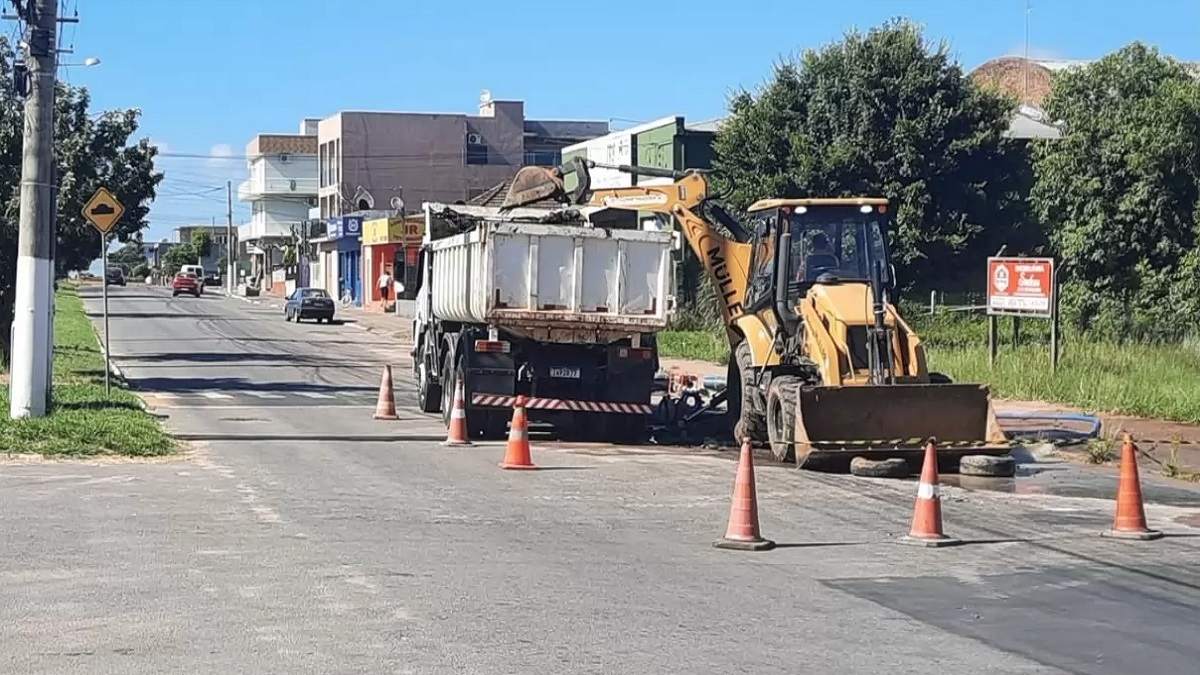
1119	193
202	245
884	113
90	151
128	256
178	256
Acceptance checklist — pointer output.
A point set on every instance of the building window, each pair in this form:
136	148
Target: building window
543	157
477	153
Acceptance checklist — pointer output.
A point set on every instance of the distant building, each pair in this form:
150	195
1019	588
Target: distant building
220	243
281	189
1029	82
666	143
367	160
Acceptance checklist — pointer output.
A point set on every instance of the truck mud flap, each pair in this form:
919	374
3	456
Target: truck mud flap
836	424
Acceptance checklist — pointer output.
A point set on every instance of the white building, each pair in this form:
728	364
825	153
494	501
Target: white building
281	189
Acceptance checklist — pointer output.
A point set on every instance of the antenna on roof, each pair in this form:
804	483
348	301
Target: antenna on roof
1025	65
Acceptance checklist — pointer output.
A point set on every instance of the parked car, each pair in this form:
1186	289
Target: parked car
212	278
186	283
309	303
114	277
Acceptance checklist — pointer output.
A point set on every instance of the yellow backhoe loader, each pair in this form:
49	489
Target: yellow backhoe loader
824	369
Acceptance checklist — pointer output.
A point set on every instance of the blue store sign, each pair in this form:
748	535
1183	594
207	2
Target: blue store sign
347	231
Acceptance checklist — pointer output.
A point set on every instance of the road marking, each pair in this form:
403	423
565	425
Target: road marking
214	395
313	394
263	394
170	396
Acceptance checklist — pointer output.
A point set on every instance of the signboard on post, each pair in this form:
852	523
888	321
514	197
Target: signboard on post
103	211
1021	287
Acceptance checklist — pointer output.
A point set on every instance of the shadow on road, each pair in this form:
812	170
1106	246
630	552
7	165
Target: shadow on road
301	438
153	315
182	385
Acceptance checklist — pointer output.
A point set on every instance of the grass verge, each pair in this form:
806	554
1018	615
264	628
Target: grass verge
1147	380
83	421
693	344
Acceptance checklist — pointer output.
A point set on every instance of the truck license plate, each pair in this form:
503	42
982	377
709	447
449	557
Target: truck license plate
565	373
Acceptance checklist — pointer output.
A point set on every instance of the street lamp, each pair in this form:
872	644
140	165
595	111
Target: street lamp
89	62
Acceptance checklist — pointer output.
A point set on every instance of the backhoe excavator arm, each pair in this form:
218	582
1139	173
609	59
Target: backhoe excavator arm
726	260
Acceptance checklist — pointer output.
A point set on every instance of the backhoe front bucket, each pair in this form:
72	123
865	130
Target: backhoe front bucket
533	184
837	424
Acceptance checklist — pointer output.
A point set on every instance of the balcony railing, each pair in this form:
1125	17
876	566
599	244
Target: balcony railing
269	187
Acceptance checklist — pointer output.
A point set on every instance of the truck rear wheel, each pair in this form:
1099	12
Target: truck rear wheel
746	404
429	394
782	398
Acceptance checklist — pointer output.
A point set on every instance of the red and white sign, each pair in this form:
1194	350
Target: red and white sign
1020	286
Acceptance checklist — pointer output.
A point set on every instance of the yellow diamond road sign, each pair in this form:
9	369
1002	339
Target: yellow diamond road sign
103	210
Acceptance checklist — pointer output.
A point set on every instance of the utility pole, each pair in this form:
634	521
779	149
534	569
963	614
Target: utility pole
230	248
29	370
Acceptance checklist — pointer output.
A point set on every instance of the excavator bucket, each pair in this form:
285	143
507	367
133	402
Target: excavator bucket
837	424
533	184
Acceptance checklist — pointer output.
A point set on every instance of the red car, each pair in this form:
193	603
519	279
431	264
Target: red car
185	283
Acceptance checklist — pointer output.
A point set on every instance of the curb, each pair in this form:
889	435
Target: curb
123	382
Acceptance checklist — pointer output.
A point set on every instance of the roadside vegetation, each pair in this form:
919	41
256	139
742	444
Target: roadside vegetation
83	420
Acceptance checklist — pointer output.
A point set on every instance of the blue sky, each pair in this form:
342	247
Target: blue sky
208	76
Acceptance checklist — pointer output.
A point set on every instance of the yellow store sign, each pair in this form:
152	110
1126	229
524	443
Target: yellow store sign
393	231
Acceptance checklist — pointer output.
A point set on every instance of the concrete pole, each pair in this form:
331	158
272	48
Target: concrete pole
230	248
35	265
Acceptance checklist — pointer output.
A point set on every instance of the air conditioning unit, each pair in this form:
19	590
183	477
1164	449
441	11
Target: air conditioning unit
475	139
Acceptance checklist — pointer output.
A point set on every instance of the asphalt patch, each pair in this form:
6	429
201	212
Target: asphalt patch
1083	620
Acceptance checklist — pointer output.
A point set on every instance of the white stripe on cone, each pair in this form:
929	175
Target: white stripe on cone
927	491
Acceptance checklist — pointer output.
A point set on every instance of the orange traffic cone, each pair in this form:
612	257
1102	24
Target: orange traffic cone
927	514
457	433
742	532
385	409
516	454
1130	521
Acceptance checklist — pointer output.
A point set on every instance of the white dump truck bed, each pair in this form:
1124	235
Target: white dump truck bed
522	276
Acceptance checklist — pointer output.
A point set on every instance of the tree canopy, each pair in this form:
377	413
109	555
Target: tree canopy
887	114
1119	193
91	150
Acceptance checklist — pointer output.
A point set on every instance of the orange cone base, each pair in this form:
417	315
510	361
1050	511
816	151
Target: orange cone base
744	544
518	467
382	416
1144	535
451	444
930	542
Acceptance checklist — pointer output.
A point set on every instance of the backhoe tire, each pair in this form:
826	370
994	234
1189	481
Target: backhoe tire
746	405
783	395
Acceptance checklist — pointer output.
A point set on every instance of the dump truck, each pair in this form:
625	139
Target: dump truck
823	367
540	303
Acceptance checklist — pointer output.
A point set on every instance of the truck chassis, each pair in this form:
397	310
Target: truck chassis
584	391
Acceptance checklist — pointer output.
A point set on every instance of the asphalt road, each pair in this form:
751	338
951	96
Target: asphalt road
363	550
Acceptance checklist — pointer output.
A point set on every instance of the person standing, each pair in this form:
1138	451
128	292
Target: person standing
385	285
